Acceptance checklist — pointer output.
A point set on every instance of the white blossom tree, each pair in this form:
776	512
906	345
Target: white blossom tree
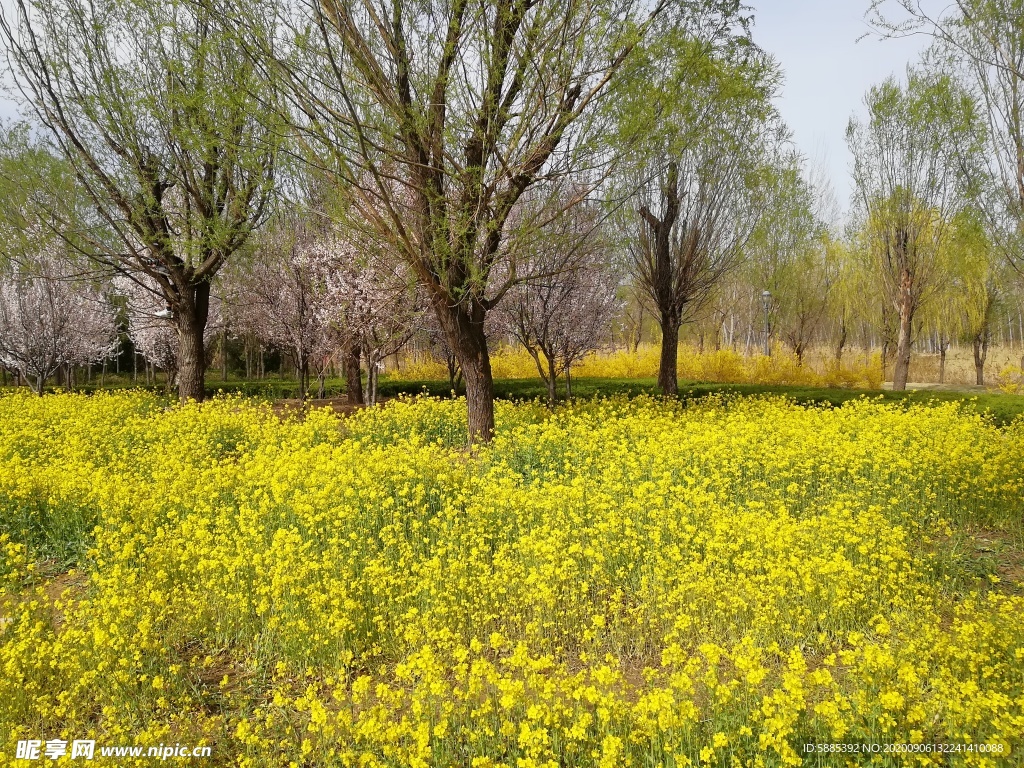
52	316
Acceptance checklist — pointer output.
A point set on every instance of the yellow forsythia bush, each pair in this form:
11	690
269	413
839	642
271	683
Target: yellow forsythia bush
725	365
620	583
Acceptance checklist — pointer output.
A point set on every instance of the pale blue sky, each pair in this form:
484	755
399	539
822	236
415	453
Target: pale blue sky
827	72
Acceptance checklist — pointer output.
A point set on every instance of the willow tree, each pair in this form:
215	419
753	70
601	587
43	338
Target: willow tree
982	41
466	105
908	169
160	114
697	124
788	251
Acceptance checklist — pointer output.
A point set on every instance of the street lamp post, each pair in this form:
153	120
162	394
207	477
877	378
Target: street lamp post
766	299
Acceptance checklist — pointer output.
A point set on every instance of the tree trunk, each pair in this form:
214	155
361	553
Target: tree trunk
663	288
353	375
980	353
302	368
191	314
668	378
453	372
552	379
943	346
371	381
901	371
841	344
224	354
464	329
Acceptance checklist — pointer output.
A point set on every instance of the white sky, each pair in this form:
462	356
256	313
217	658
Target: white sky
827	72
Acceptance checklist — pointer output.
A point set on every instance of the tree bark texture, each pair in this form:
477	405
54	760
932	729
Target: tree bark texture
191	314
464	328
901	371
668	369
353	375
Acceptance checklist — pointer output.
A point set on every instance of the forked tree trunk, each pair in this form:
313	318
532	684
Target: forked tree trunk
668	377
547	375
372	377
841	344
799	350
191	314
353	375
454	374
980	353
663	288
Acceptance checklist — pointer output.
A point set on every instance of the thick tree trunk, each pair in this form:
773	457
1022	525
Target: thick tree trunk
476	367
353	375
668	378
901	371
464	329
191	314
943	346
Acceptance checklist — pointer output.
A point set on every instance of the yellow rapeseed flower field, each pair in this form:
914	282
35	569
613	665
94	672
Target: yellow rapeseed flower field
619	583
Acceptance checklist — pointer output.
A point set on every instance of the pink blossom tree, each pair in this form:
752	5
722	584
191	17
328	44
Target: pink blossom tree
566	304
282	296
374	304
52	316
